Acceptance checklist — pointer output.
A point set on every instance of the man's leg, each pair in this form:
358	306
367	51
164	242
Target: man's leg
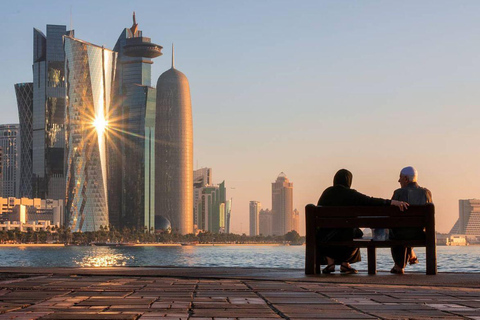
411	256
399	255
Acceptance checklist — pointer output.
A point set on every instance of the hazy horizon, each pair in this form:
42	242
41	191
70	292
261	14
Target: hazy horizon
304	88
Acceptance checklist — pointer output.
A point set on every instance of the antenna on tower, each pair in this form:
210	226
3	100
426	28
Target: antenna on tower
134	27
173	57
71	19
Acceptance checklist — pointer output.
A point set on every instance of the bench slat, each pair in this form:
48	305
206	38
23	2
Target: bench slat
364	222
369	211
378	244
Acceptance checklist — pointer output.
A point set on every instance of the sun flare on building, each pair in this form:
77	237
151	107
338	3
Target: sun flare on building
100	124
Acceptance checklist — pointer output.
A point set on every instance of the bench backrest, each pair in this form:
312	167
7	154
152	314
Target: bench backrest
369	217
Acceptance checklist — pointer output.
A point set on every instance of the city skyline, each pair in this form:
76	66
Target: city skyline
305	89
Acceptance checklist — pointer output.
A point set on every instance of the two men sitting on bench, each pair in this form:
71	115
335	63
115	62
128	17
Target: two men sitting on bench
340	194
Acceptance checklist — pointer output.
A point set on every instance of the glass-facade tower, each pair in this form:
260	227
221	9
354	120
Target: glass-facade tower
212	209
24	93
131	149
48	113
90	73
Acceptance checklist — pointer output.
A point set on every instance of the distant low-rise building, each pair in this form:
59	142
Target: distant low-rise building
34	225
457	240
18	212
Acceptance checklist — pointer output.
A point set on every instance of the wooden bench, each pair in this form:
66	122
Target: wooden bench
369	217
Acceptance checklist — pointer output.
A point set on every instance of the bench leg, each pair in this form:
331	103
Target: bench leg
310	259
431	257
372	260
318	264
431	250
311	244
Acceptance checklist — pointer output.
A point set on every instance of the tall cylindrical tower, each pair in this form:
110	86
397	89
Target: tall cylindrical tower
174	151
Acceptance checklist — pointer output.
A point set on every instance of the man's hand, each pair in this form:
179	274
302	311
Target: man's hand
400	204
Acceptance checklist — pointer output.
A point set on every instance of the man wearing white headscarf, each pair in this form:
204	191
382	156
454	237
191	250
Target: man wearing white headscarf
413	194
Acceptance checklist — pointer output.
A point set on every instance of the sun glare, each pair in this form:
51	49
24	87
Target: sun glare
100	124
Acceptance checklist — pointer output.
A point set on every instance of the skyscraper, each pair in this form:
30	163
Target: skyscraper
213	209
174	151
282	205
90	73
255	207
48	145
24	93
468	222
149	158
201	179
228	214
1	171
132	119
265	221
9	136
296	220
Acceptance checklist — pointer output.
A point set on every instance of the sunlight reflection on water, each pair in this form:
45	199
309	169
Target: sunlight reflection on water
105	260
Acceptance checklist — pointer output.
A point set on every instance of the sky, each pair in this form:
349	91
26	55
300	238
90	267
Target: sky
301	87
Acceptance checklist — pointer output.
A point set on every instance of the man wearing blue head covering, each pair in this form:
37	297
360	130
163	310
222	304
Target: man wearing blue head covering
413	194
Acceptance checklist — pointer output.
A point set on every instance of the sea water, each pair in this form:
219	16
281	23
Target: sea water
450	259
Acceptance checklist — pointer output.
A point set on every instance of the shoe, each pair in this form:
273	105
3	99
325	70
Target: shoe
347	270
329	269
413	261
396	271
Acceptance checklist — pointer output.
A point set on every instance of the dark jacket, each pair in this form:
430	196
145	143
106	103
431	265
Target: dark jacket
340	194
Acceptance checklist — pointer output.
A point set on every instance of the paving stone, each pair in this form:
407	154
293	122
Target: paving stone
123	298
102	316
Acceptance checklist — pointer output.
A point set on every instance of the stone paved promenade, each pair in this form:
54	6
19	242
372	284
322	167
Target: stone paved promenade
232	293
